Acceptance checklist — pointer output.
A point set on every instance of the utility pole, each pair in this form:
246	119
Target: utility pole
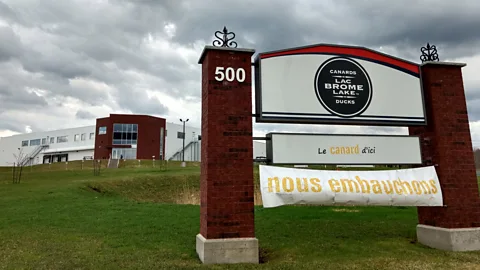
183	137
192	149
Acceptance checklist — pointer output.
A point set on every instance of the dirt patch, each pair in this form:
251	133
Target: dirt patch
188	195
257	196
95	189
177	189
263	255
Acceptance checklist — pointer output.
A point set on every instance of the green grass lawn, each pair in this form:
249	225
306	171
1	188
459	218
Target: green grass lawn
140	218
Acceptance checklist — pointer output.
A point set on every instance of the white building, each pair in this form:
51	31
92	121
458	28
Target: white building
53	146
79	143
174	142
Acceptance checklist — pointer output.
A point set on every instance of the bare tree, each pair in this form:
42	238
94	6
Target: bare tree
20	161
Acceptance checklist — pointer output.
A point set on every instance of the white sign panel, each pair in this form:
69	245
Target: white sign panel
409	187
337	84
298	148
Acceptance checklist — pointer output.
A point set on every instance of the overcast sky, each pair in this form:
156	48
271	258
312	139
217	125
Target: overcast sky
64	63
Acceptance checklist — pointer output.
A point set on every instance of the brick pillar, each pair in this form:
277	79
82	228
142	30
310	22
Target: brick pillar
227	232
446	143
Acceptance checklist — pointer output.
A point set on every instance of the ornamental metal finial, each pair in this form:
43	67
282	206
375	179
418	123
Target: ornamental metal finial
429	53
223	39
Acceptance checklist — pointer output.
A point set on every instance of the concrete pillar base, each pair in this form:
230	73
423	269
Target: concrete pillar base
228	250
461	239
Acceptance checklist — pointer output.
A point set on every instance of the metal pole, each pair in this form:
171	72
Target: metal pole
183	149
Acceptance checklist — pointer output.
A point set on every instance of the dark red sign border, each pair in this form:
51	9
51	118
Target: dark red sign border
352	51
357	52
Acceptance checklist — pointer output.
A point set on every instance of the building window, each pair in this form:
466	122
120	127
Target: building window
24	143
102	130
76	138
125	133
35	142
180	135
124	153
47	159
92	135
84	136
52	139
62	139
44	141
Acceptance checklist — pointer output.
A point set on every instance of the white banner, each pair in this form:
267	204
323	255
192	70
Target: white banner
406	187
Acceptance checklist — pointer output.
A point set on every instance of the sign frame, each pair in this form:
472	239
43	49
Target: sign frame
351	52
270	146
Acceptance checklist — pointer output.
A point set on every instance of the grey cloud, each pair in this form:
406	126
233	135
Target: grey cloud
63	64
15	127
472	94
473	108
139	102
473	104
21	100
56	86
244	19
151	106
84	42
407	25
18	98
7	13
64	40
83	114
10	47
18	122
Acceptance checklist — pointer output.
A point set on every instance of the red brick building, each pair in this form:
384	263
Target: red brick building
130	137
